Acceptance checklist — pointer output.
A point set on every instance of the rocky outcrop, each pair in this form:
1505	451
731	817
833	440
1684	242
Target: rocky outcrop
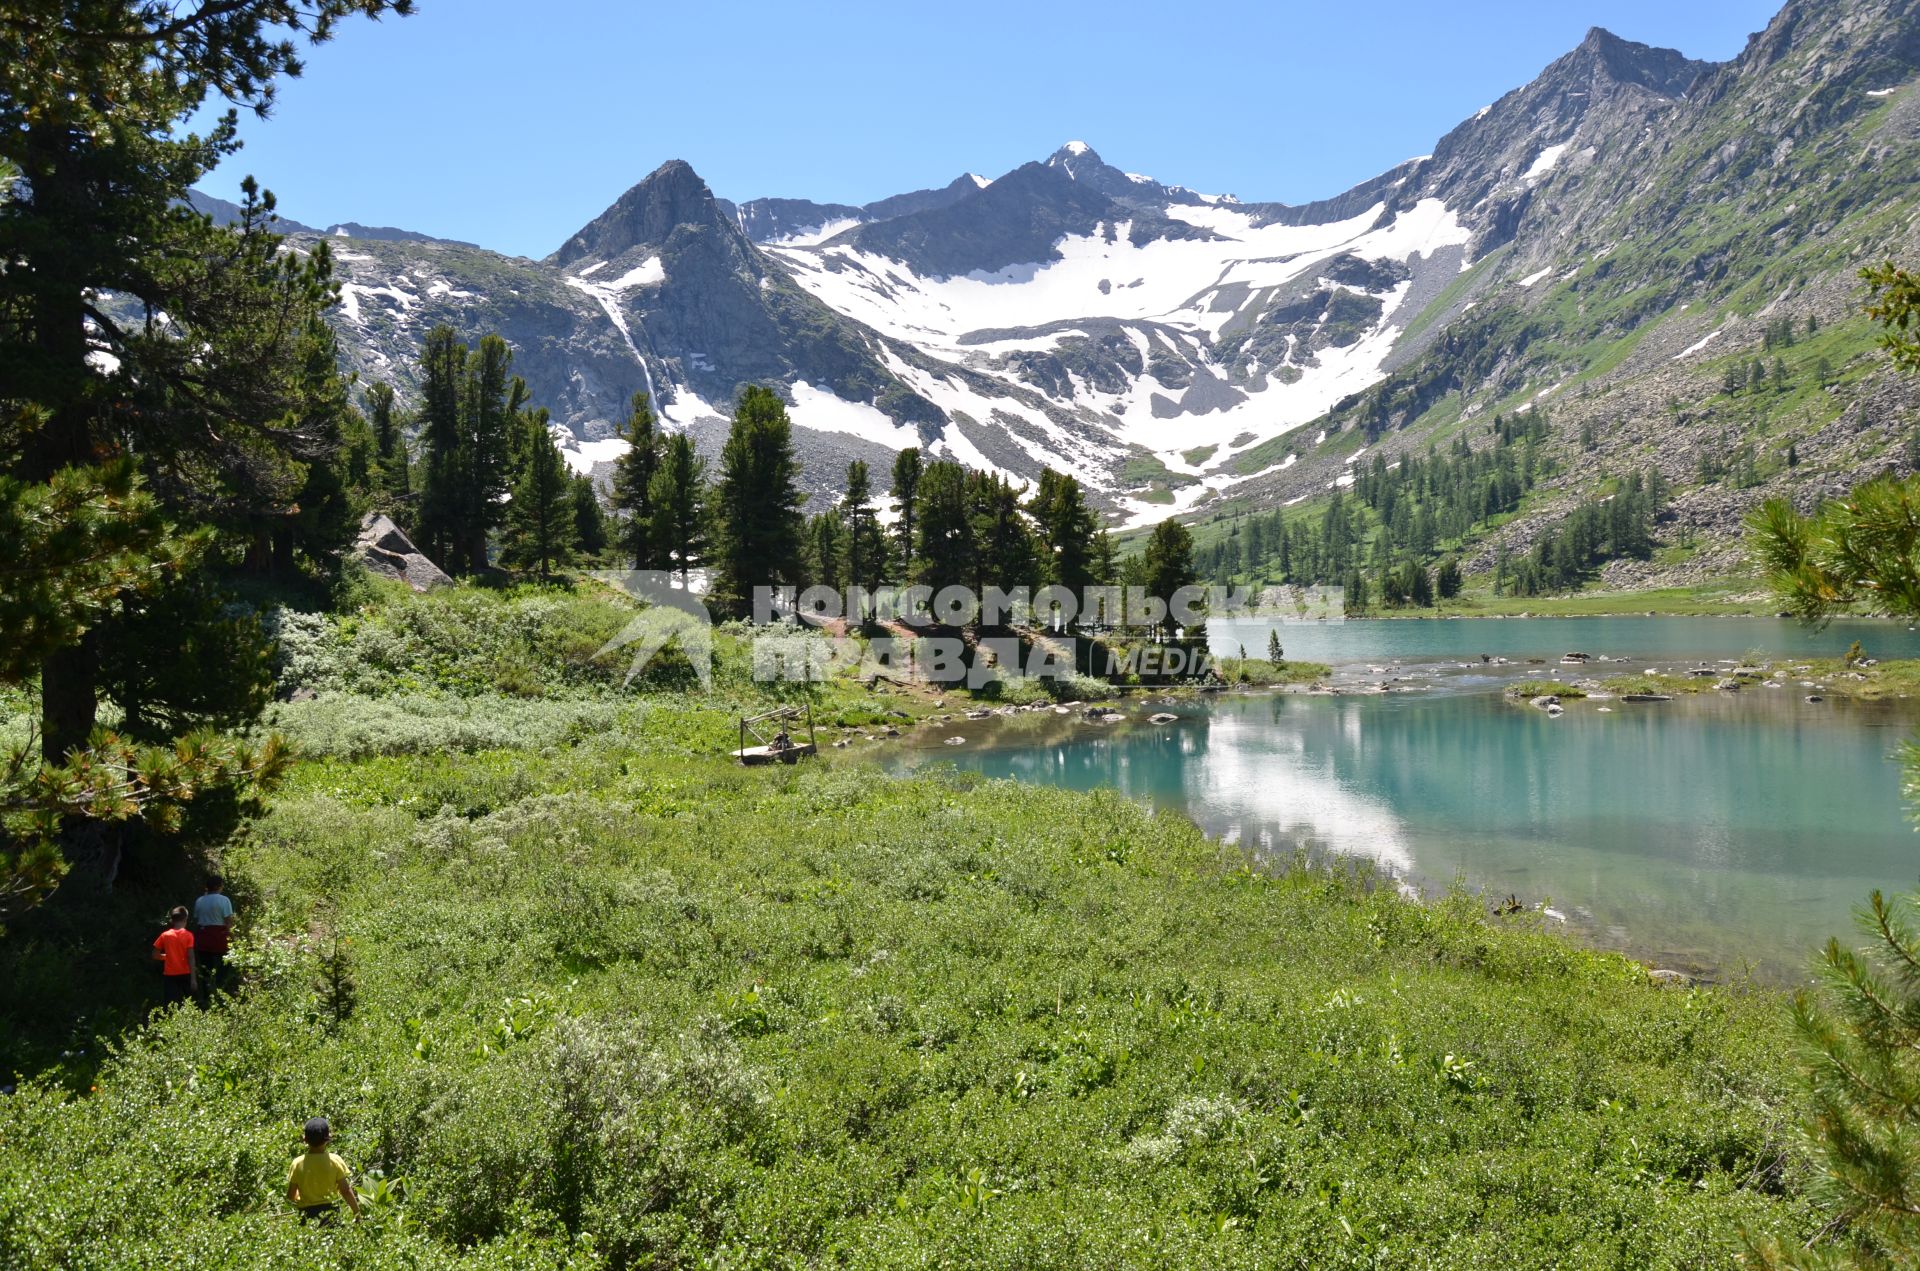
384	548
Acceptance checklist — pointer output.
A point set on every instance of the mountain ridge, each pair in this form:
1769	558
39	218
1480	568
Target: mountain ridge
1177	350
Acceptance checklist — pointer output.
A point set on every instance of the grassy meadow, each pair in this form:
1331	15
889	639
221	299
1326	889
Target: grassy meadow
576	991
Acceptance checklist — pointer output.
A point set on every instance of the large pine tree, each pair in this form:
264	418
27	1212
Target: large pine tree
154	377
590	531
680	501
540	530
1005	553
908	470
945	549
392	473
1167	566
633	474
866	543
1068	530
471	428
757	503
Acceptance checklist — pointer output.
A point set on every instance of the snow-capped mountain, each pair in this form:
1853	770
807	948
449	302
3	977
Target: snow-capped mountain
1165	345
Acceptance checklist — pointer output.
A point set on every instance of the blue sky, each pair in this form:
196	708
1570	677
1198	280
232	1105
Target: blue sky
512	124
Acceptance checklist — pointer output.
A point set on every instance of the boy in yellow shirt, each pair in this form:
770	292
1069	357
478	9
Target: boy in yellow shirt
319	1176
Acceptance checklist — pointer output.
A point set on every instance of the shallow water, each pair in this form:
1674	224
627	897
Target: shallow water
1722	833
1470	638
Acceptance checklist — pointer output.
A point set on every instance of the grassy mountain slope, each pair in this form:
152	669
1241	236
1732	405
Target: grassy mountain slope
1638	278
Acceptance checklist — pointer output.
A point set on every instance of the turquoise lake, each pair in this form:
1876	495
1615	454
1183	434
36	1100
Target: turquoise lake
1728	833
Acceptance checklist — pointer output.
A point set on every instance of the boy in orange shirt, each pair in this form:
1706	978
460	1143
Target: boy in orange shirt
173	950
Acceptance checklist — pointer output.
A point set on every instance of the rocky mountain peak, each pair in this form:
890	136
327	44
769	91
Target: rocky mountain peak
1666	72
673	195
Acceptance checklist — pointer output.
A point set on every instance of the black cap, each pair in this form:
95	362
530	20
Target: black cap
318	1131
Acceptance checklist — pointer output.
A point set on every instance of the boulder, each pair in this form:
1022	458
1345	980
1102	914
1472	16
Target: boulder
384	548
1164	718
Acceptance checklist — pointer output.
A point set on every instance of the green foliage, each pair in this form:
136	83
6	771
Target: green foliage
202	776
1896	302
541	521
393	464
866	541
908	469
1864	550
757	503
1615	527
470	408
640	535
1066	528
71	549
1859	1033
945	544
591	534
697	1011
680	508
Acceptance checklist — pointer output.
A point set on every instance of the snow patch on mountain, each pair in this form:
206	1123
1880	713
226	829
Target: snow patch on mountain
648	273
351	294
582	456
1154	280
1692	349
1548	160
825	411
814	235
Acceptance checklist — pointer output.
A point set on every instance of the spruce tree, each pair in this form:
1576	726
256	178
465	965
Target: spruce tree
945	548
471	429
1067	530
392	476
590	534
115	478
540	532
443	375
1005	551
1275	654
493	426
826	551
679	499
757	503
866	544
907	474
633	474
1169	567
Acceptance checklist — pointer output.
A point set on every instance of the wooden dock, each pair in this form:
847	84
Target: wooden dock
760	756
782	746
